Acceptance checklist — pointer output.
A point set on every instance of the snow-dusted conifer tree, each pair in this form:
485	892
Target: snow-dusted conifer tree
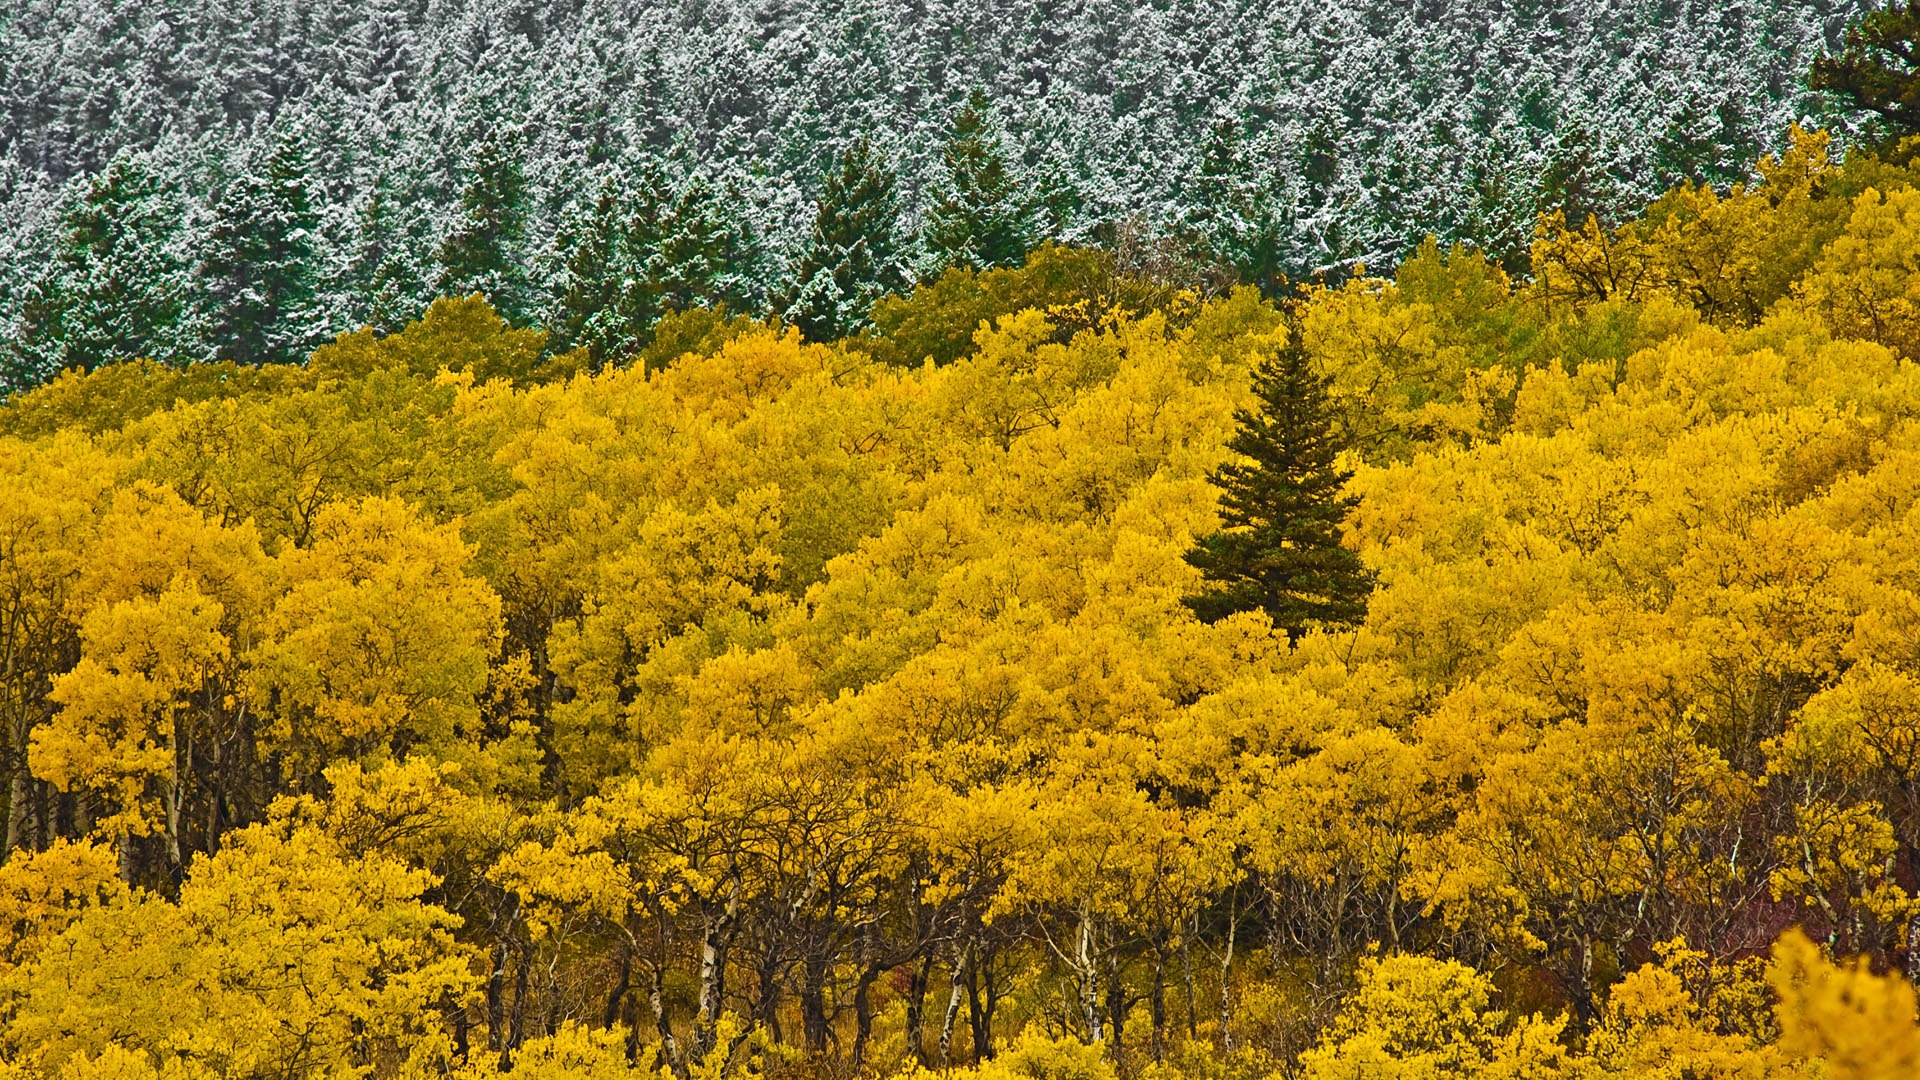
254	285
853	257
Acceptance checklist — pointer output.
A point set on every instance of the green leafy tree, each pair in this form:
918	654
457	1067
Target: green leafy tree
256	274
481	252
1878	67
985	217
1283	505
854	257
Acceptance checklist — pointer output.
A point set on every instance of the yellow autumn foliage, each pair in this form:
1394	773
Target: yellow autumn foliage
788	710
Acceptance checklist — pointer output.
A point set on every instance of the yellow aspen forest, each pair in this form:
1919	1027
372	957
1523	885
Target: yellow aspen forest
446	706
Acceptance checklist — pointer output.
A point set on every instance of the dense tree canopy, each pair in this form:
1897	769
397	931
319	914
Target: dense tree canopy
1878	67
589	165
461	702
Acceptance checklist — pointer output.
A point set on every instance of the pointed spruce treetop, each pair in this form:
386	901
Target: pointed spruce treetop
481	252
256	273
111	288
853	257
984	217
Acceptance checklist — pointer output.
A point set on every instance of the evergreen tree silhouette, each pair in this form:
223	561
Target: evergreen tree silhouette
984	218
1282	507
588	283
481	252
853	257
256	273
111	290
1878	67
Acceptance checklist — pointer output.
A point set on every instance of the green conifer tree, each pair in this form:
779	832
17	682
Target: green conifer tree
588	284
1282	506
984	218
1233	216
700	251
689	253
1878	67
618	331
112	289
853	257
256	281
383	285
481	253
641	250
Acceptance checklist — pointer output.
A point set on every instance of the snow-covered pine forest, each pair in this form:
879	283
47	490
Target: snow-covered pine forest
245	179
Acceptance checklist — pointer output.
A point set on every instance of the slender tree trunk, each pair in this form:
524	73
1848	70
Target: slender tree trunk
916	1009
956	988
713	981
176	792
1913	948
1226	977
517	1020
1090	1003
1581	992
990	978
611	1014
16	753
813	1006
863	1014
1912	853
1186	972
977	1027
766	1001
18	789
46	829
1158	1002
663	1025
457	1015
632	1019
496	998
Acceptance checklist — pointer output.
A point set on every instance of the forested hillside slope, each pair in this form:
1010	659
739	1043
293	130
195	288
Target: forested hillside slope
446	705
245	180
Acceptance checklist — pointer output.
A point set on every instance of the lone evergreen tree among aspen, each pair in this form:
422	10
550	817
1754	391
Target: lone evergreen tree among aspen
1282	508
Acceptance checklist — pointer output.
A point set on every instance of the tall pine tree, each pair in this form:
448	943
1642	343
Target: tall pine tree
588	285
854	256
640	250
1232	212
985	216
700	249
482	252
383	284
1282	506
113	288
1878	68
256	276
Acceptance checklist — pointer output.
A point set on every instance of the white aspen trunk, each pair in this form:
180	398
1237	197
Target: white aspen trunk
1090	981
